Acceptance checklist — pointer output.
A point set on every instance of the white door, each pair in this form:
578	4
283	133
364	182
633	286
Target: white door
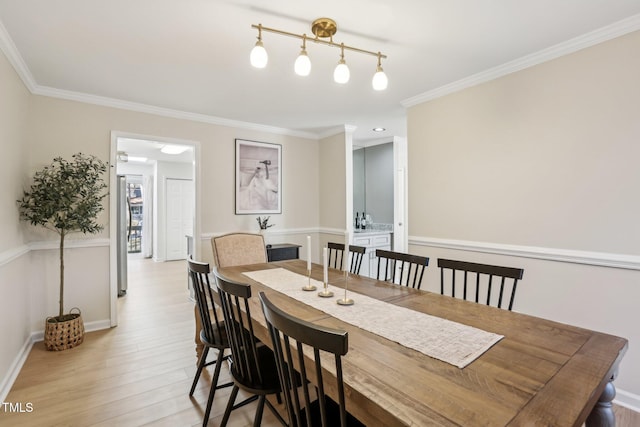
180	207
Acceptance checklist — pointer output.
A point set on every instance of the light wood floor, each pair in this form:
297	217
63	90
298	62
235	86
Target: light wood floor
138	373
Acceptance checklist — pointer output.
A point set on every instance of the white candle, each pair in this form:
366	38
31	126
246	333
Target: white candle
308	253
346	251
325	263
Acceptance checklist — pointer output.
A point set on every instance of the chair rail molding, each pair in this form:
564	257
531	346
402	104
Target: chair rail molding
602	259
68	244
12	254
279	232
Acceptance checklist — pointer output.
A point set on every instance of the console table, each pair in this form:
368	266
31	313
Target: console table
282	252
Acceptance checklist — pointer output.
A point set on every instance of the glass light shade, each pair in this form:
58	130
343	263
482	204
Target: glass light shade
174	149
341	73
302	65
259	57
380	80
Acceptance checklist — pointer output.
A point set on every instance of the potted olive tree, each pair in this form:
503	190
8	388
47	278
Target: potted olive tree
66	197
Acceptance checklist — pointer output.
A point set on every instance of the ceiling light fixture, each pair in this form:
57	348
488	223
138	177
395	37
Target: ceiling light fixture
302	65
174	149
380	80
259	57
379	129
341	74
137	159
323	29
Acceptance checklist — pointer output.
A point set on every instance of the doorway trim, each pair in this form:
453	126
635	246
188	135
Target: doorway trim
400	179
113	262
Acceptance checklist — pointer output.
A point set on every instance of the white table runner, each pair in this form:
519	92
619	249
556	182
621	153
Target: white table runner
439	338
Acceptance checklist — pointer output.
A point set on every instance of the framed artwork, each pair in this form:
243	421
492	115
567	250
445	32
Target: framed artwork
258	177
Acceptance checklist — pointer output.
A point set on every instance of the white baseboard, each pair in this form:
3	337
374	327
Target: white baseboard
22	355
96	325
628	400
15	368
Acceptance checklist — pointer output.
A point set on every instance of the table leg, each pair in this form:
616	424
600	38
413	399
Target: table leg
602	413
198	343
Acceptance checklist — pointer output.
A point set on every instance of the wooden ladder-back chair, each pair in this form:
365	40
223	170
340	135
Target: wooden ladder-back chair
484	284
289	336
252	366
238	249
336	255
400	268
213	334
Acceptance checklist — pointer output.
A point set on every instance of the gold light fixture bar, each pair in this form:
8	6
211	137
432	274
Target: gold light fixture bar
319	31
324	30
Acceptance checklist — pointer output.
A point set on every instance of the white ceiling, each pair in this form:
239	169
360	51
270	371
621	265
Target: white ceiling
191	57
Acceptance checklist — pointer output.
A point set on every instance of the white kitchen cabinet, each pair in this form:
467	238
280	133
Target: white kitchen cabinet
372	240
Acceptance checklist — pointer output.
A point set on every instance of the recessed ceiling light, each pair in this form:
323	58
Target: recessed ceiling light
174	149
379	129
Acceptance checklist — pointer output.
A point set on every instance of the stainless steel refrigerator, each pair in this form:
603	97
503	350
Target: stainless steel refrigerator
124	227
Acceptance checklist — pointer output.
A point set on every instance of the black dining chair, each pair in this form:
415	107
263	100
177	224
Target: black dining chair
484	285
252	366
290	336
400	268
213	334
336	255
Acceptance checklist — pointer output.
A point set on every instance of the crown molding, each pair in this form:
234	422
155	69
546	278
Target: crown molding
165	112
617	29
348	129
15	59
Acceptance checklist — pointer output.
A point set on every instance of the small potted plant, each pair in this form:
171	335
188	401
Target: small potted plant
264	223
65	197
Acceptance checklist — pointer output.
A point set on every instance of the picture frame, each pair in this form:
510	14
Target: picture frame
258	177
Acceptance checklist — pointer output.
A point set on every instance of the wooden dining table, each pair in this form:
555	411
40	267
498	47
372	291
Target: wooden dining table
542	373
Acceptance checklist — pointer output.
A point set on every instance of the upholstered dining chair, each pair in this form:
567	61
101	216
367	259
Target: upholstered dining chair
238	249
400	268
213	334
252	366
290	336
484	285
336	255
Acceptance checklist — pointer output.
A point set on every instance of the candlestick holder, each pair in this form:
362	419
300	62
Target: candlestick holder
345	300
325	293
309	286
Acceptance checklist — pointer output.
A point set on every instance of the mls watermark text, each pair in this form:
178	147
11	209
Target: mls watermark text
19	407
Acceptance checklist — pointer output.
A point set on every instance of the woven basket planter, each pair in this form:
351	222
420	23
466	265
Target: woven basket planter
62	333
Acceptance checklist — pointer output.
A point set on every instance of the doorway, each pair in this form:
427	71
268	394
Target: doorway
156	170
381	191
179	218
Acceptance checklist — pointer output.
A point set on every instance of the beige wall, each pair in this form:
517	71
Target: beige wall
14	109
543	160
69	126
14	256
545	157
333	182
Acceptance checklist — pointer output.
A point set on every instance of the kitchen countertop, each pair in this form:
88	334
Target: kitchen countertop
371	231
